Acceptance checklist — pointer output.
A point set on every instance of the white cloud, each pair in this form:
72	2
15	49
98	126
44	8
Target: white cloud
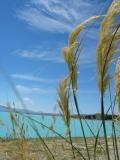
57	15
29	54
34	18
36	55
51	56
33	78
28	101
33	90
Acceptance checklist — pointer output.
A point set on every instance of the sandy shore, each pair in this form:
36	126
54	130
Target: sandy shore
33	149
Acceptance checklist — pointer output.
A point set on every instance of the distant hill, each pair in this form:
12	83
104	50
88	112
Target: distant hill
3	109
8	109
96	116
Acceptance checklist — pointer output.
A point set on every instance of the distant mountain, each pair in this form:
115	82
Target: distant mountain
8	109
3	109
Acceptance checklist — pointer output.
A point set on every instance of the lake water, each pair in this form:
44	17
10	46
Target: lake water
59	126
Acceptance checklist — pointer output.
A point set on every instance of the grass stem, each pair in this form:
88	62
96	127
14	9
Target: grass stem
77	109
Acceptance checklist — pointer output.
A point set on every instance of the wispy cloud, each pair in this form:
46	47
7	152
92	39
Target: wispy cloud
37	55
33	78
29	54
53	57
33	90
57	15
28	101
34	18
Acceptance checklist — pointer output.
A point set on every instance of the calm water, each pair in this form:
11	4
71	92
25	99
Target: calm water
59	126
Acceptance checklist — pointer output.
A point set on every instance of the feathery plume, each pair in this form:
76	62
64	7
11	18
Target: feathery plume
70	55
63	100
108	44
117	83
78	29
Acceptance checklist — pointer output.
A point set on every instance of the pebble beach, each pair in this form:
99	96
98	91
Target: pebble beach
32	149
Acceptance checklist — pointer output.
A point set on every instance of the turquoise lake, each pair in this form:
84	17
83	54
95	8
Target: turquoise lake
59	126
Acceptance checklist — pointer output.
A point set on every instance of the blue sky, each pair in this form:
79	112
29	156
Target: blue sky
33	32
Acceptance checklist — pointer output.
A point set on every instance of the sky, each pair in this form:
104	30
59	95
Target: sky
32	35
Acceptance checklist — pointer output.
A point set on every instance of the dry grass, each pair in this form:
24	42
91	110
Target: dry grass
63	100
117	83
107	47
71	56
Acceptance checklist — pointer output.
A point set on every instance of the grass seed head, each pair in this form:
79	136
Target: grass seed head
63	100
70	54
78	29
117	83
109	36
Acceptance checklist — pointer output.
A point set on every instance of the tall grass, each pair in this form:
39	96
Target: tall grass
117	83
106	50
71	56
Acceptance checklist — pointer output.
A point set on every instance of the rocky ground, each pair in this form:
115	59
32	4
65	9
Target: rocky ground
33	149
